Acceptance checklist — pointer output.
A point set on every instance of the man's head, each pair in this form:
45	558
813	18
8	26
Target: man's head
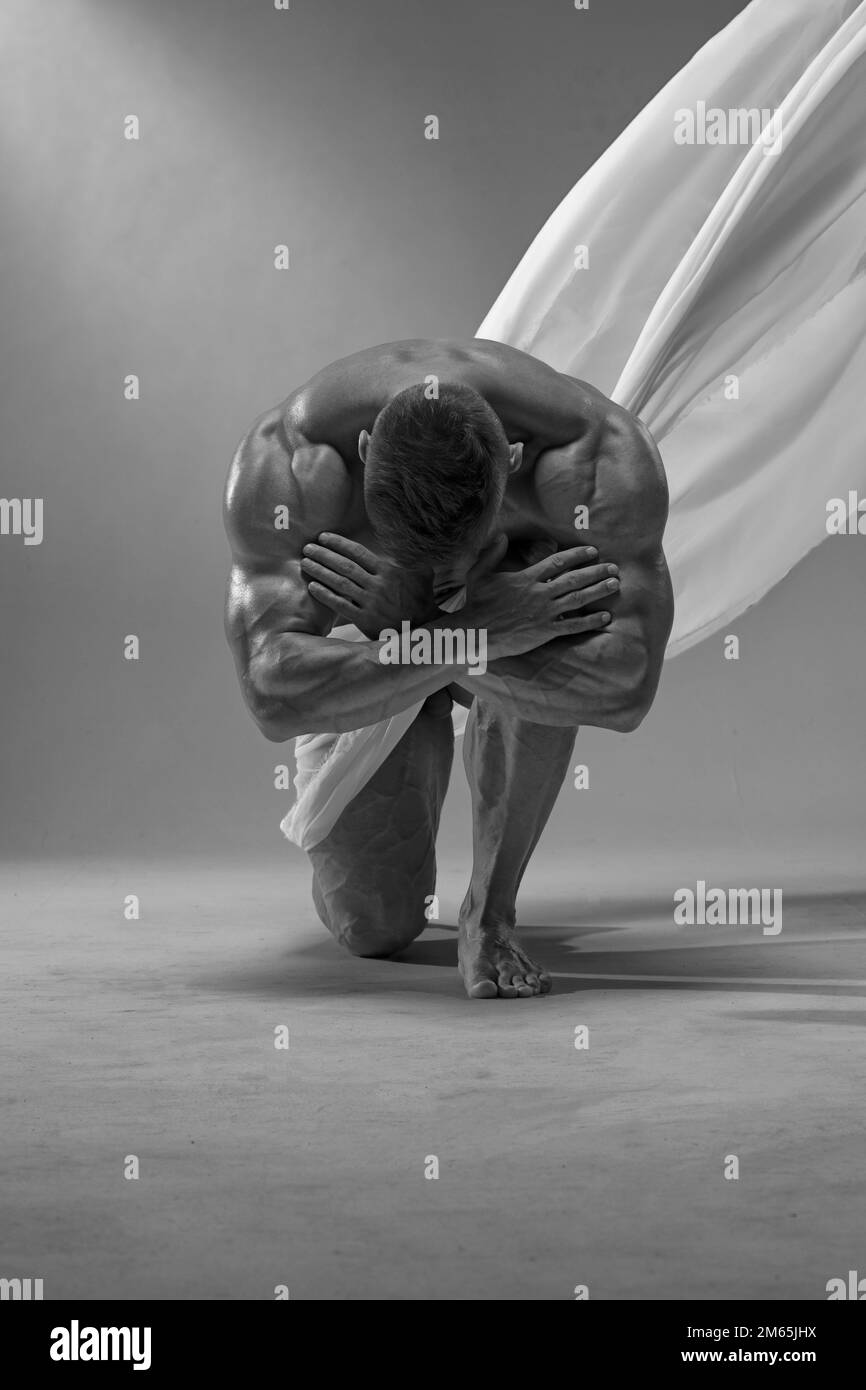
435	473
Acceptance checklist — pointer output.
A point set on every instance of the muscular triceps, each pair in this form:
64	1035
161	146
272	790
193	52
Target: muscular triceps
265	603
284	659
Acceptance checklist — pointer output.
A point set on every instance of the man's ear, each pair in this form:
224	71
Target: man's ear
515	457
363	445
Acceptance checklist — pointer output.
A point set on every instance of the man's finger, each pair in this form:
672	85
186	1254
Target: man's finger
339	564
596	593
338	605
352	550
332	580
585	577
560	562
589	622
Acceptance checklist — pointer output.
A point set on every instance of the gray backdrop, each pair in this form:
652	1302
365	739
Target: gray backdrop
156	257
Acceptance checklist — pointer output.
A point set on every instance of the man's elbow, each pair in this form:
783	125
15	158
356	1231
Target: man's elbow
274	724
275	730
273	717
626	720
633	710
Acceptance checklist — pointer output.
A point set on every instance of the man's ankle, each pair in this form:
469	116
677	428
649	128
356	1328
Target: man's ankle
486	920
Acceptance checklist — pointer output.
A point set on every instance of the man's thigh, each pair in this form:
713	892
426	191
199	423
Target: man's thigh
374	874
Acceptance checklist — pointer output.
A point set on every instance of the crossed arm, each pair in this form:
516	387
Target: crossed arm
599	674
296	680
605	679
605	675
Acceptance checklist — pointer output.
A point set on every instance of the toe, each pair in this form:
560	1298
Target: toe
545	983
523	987
533	981
506	988
482	988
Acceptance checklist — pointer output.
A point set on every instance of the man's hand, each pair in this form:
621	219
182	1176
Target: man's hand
523	609
366	589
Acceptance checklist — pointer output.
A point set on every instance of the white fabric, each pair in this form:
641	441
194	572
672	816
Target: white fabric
724	303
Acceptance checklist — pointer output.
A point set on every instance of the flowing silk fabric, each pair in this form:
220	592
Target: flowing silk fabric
722	298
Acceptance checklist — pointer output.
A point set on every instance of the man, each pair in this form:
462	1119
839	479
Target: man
424	473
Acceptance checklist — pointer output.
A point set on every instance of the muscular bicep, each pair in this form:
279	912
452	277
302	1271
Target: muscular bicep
266	602
276	501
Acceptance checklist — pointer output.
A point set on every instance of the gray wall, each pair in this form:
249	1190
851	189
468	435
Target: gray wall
155	257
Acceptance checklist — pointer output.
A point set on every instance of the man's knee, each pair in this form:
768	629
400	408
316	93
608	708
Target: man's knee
379	940
365	919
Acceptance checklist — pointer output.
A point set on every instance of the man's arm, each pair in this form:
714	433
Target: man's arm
608	679
537	619
296	680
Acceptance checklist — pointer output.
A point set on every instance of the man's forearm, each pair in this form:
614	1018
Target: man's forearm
605	679
600	680
303	684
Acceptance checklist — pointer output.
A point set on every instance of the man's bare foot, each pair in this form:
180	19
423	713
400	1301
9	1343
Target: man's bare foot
494	965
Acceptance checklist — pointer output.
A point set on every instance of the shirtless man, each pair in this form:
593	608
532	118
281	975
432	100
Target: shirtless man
414	473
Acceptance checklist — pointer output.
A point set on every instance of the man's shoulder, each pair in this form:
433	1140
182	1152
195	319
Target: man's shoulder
614	470
281	483
625	441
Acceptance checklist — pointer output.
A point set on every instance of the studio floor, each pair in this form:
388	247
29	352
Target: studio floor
305	1167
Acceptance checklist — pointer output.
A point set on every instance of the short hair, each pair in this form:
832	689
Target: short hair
433	472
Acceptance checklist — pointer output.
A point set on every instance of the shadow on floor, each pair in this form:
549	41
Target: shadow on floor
853	1018
780	967
808	957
